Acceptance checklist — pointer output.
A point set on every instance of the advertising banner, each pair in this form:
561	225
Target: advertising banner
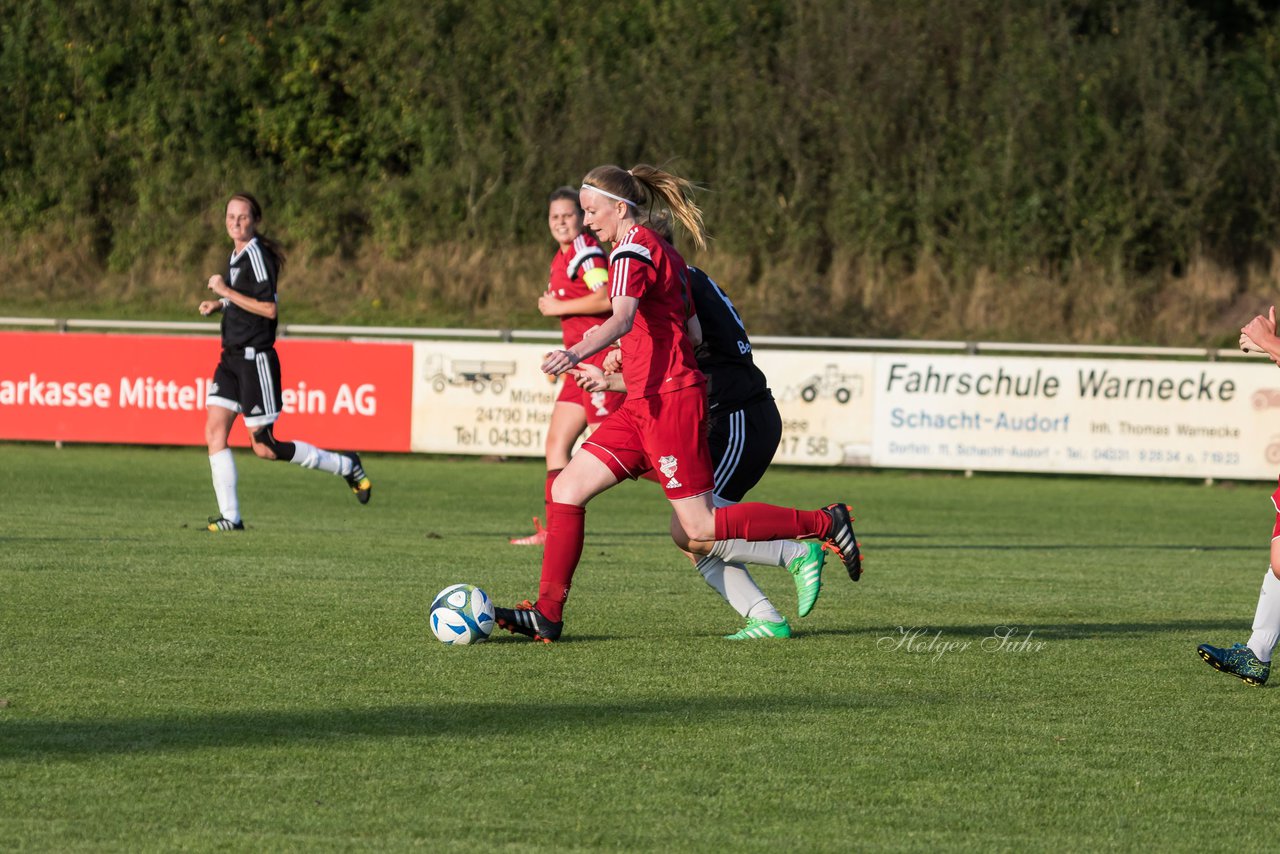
1115	416
150	389
826	401
1144	417
477	398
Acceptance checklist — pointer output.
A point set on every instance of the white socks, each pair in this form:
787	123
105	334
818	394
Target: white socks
770	553
736	586
724	571
311	457
1266	620
223	466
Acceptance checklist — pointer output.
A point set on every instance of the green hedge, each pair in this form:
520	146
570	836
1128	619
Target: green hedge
988	133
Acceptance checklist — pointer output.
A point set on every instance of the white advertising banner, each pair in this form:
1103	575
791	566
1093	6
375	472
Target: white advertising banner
1088	416
1115	416
476	398
826	403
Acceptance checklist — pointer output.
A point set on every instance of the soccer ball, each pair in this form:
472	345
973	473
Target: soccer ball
461	614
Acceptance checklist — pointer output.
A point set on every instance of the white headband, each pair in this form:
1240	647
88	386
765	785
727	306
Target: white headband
610	195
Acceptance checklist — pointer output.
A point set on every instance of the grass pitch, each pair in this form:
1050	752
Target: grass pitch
166	688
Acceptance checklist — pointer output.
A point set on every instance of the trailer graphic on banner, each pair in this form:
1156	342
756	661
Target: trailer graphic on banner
473	398
1161	418
826	404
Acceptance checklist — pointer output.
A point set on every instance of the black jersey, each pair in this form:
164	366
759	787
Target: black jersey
724	356
251	271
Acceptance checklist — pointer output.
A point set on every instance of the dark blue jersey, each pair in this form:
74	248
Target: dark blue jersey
724	356
252	271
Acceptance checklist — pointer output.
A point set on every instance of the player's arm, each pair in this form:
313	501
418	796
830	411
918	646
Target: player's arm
618	324
596	302
694	327
591	378
262	308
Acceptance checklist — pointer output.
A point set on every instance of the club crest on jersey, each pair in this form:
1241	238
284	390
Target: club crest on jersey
597	400
667	465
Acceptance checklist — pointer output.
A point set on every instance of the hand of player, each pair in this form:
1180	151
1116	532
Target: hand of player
613	361
1259	329
590	378
218	285
209	306
548	305
557	362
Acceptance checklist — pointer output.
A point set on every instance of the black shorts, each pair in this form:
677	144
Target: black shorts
248	381
742	446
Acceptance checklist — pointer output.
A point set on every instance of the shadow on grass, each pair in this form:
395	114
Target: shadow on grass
50	739
1043	631
103	538
1052	547
501	636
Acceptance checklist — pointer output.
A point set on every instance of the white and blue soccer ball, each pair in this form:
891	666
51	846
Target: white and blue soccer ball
461	614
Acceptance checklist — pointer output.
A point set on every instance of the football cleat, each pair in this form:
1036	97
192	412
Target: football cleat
537	538
1239	661
219	523
841	539
358	480
807	572
524	619
757	629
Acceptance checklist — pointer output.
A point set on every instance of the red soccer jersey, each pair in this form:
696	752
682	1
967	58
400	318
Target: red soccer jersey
657	355
567	272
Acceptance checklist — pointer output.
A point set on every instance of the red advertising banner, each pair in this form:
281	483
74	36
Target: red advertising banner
150	390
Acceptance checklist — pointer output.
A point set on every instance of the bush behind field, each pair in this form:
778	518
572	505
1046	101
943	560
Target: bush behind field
1071	171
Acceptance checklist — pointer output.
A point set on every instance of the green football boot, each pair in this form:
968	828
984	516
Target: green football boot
807	572
757	629
1239	661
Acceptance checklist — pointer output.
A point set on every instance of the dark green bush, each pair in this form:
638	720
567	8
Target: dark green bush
993	135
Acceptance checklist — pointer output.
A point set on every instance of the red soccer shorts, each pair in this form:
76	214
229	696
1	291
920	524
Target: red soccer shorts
664	432
599	405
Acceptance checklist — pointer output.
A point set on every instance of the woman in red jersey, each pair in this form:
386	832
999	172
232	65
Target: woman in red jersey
577	294
661	424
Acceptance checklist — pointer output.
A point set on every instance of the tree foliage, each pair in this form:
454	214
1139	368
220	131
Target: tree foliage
990	134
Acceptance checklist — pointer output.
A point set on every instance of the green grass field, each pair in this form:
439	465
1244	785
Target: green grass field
166	688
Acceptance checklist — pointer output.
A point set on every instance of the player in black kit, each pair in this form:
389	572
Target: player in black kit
247	379
744	431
